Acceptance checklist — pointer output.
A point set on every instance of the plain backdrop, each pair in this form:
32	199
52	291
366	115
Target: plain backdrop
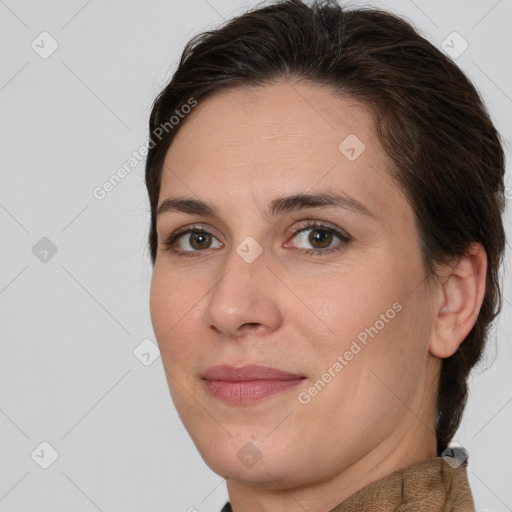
86	419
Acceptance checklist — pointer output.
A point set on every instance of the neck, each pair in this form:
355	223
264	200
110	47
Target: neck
411	443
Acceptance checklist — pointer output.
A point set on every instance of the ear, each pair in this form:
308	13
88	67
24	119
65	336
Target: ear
460	297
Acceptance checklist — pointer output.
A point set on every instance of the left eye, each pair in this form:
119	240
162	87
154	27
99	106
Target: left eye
321	237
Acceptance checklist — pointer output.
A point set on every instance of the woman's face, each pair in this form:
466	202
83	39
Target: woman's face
332	295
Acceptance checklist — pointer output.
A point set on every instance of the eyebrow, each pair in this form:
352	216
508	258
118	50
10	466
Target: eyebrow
277	206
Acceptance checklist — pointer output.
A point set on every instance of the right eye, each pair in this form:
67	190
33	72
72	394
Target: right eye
197	238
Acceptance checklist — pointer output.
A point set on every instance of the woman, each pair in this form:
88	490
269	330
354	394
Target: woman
326	194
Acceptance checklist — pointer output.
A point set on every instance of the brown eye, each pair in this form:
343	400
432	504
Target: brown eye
189	241
200	240
320	238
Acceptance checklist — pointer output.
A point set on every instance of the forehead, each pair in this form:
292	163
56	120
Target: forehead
288	137
284	109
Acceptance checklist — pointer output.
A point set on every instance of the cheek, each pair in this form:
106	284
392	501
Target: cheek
351	303
373	325
377	378
174	310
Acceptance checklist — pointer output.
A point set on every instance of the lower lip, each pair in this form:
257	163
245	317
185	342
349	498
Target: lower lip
243	392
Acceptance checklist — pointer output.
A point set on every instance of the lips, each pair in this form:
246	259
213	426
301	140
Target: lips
246	373
246	384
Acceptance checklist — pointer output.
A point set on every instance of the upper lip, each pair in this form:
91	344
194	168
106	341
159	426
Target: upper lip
247	373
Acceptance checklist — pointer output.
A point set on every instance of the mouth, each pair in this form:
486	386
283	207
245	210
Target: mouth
247	384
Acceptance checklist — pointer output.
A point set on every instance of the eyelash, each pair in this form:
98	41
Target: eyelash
320	225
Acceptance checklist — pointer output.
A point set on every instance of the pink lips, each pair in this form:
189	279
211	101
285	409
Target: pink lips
245	384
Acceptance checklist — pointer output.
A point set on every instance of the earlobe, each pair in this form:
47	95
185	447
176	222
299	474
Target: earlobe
460	295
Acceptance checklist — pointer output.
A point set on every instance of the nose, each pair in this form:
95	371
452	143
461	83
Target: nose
243	300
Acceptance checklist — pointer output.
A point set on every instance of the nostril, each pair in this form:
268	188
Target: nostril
249	326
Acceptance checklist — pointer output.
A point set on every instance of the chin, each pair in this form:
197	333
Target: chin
244	457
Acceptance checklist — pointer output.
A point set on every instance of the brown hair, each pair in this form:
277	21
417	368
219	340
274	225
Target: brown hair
447	154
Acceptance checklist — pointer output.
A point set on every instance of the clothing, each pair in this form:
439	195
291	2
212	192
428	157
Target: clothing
431	485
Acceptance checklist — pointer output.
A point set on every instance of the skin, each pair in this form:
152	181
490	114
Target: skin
238	150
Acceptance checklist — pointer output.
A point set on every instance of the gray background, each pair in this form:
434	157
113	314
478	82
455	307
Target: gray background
72	373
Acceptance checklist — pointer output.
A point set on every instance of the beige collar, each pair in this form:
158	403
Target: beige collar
430	485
